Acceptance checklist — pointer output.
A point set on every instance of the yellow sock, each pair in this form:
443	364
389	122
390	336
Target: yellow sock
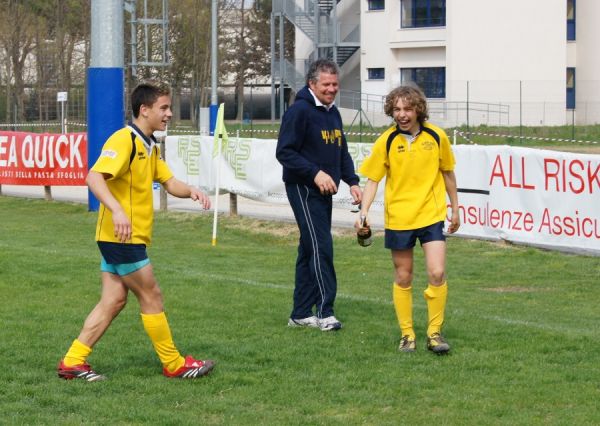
436	297
157	327
403	305
77	354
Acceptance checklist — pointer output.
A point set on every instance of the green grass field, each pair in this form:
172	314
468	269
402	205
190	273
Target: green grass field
522	322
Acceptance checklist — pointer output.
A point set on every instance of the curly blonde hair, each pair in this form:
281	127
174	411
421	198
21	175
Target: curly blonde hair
410	95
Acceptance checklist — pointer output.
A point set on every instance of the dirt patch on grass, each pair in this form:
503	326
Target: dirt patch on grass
344	232
276	228
256	226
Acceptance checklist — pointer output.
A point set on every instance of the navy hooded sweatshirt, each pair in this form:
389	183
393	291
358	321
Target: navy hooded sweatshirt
311	138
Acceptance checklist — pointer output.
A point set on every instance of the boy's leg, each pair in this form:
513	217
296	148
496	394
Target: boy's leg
402	295
403	305
145	287
436	297
112	301
157	328
436	293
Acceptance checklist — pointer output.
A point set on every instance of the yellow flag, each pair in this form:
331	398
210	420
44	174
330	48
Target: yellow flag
220	132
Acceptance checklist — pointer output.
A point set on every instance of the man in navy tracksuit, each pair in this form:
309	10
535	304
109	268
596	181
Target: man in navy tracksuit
313	151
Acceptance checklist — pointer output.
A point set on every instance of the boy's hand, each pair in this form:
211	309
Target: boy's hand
197	195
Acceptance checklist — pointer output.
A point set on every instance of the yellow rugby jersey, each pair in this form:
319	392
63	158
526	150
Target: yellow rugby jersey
415	193
130	184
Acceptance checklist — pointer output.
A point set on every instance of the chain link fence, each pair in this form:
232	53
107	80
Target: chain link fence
469	104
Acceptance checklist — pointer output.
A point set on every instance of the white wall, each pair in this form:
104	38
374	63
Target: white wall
373	52
348	17
511	52
507	40
587	71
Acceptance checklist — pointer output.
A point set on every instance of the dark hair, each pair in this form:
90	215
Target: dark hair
147	93
317	67
412	96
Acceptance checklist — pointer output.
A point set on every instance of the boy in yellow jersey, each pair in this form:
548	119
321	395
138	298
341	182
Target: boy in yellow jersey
416	159
122	181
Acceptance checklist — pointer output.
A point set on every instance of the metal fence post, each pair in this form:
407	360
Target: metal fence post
163	192
467	105
573	123
520	111
233	201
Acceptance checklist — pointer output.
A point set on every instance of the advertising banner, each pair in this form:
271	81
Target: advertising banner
248	168
537	197
43	158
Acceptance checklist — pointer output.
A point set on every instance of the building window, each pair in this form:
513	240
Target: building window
570	88
376	73
423	13
432	81
571	20
376	4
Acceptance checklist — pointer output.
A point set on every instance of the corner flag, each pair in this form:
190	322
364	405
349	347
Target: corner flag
220	141
220	132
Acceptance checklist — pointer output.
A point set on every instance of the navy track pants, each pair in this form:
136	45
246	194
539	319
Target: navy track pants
316	283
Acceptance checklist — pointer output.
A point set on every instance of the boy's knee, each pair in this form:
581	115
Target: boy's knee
404	279
437	278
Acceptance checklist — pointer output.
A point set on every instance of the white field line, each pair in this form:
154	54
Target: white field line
253	283
378	300
357	298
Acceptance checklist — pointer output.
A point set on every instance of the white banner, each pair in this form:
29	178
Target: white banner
538	197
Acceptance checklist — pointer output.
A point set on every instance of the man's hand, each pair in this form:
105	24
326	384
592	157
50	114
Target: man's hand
201	197
356	193
325	184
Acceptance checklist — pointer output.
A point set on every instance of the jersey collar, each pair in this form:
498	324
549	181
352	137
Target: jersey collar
409	135
149	142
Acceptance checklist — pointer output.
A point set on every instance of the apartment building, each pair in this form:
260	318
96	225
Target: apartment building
513	62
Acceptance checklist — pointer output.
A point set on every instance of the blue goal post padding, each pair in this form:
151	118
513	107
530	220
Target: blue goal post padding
105	113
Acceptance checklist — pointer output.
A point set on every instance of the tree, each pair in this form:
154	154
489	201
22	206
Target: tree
40	48
189	35
17	38
246	47
189	50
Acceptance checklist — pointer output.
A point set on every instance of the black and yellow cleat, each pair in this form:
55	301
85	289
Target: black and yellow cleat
437	344
407	344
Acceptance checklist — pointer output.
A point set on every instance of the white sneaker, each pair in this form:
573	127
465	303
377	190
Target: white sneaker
329	324
304	322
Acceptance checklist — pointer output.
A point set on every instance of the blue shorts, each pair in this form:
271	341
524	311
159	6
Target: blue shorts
402	240
122	268
122	259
